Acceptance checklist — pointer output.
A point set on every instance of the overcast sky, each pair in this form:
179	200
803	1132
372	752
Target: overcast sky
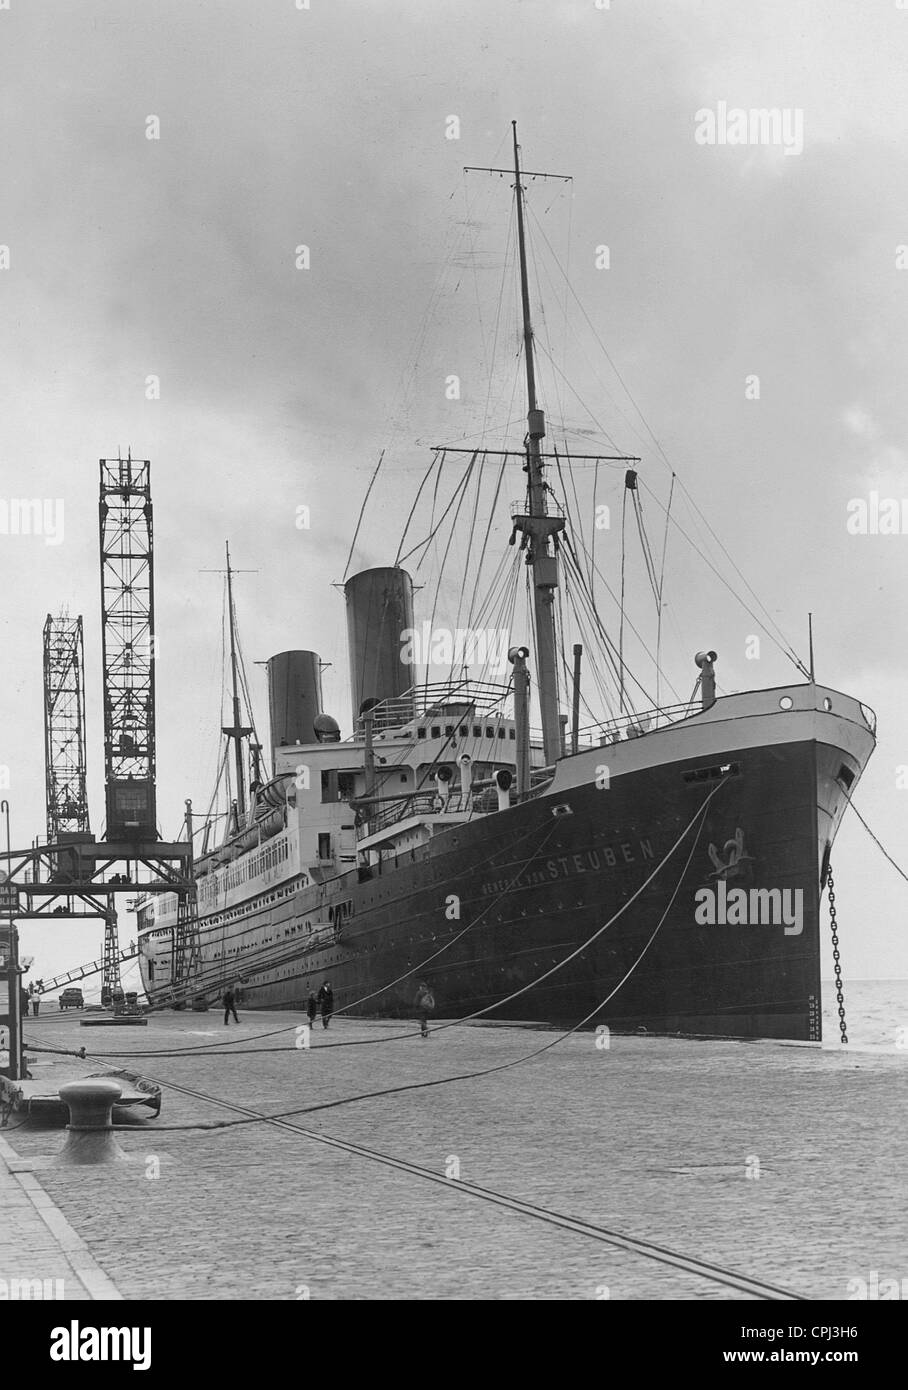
175	258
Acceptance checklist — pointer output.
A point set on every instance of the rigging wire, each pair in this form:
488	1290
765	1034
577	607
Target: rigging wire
621	606
244	685
485	541
613	596
779	639
437	455
470	536
604	642
878	843
508	259
595	522
225	752
540	317
436	527
362	512
455	238
451	534
645	547
668	510
486	369
592	667
791	654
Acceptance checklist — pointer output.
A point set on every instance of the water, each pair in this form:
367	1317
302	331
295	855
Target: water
876	1013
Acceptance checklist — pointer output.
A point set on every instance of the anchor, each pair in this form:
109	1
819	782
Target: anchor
736	858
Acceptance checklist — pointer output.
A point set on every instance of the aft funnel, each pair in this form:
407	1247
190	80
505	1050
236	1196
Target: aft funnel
379	613
294	697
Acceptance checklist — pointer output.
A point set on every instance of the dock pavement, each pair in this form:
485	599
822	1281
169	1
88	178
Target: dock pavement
783	1163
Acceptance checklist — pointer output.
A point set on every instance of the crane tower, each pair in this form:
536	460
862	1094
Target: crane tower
64	728
127	635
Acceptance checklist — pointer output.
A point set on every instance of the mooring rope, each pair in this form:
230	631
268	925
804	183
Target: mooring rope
211	1049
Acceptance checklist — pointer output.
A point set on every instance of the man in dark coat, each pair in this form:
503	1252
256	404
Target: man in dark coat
424	1004
230	1005
326	1003
311	1008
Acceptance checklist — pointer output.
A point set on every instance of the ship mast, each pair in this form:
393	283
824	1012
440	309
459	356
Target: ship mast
237	732
538	527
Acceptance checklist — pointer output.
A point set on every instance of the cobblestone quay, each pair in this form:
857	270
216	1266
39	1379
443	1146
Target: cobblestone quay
783	1163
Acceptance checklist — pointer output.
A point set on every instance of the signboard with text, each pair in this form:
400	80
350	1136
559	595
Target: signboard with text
9	896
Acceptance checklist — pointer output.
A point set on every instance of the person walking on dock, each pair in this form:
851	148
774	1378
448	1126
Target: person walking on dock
36	1003
311	1008
425	1003
326	1003
229	1005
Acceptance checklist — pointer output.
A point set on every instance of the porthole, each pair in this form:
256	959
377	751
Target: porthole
786	702
827	703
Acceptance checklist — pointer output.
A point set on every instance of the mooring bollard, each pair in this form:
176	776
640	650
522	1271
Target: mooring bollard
89	1137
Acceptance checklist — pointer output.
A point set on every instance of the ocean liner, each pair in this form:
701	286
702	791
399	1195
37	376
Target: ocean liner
661	869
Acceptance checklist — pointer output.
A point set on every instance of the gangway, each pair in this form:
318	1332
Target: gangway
81	972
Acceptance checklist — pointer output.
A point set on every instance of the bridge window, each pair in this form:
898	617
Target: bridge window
337	786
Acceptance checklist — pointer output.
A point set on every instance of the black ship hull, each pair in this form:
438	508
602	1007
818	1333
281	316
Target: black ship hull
505	913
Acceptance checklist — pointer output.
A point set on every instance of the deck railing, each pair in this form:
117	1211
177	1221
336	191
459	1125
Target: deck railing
401	808
625	726
610	731
439	700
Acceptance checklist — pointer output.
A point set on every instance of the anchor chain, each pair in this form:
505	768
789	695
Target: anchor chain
835	954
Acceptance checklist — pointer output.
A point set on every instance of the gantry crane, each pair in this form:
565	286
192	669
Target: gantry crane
129	651
72	874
